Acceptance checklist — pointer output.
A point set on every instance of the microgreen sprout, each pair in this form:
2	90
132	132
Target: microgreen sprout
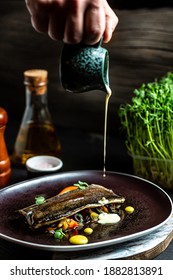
39	200
148	125
81	185
59	234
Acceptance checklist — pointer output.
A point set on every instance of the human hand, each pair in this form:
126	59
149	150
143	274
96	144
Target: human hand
73	21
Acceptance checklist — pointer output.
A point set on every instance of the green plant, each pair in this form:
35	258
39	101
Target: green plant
148	125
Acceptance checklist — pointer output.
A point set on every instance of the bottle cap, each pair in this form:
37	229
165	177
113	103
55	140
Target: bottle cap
36	80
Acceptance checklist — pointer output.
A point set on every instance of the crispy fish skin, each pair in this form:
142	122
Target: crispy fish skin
67	204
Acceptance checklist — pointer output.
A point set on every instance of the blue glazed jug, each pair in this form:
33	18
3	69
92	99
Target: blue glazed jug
84	68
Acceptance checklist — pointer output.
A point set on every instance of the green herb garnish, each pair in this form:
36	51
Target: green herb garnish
39	200
59	234
81	185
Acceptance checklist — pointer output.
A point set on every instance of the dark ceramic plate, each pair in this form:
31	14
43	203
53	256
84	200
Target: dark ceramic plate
153	208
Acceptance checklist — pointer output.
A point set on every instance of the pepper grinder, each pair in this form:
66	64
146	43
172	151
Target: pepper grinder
5	164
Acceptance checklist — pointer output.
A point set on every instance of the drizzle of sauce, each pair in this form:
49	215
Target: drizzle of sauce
108	94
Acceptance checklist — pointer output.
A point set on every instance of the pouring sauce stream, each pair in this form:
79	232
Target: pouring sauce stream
108	95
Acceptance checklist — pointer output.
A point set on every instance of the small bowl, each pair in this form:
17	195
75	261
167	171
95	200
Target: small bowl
42	165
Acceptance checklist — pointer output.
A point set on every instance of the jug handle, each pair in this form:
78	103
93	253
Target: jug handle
99	43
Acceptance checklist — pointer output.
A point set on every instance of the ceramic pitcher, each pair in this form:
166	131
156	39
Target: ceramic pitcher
84	67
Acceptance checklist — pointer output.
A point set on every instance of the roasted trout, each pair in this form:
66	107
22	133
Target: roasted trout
67	204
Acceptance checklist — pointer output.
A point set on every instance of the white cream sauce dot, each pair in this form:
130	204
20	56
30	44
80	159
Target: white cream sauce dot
108	218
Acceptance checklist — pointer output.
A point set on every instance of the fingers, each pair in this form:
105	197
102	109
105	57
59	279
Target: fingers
57	18
73	21
88	21
39	14
94	23
55	27
40	22
73	31
100	21
111	23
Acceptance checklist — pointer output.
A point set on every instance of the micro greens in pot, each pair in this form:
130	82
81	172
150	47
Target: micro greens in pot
148	126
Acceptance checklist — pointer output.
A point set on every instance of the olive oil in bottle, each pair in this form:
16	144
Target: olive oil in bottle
37	134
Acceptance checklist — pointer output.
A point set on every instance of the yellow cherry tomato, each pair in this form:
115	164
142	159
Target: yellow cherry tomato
93	215
129	209
88	230
78	239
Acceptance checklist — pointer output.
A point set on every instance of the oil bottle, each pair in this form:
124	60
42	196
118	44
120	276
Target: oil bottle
37	134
